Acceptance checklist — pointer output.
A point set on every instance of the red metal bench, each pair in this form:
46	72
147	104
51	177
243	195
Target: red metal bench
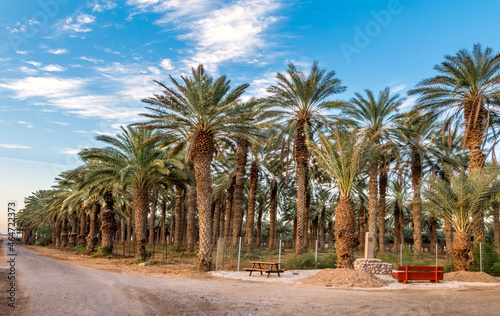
432	274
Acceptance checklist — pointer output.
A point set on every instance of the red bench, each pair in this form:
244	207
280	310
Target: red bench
432	274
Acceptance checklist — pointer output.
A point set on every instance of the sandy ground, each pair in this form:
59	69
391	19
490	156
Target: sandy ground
54	287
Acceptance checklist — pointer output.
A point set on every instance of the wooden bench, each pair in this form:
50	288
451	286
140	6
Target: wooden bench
432	274
263	266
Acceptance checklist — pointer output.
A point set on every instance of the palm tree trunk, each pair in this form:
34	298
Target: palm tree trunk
64	233
401	227
381	207
273	206
461	251
191	218
397	231
152	221
372	200
122	229
217	215
74	229
448	235
92	237
239	187
416	180
179	207
222	216
259	228
163	217
331	234
141	204
229	209
322	228
302	165
362	227
203	151
496	225
129	230
294	237
307	239
433	235
108	223
83	226
57	231
254	178
345	234
474	137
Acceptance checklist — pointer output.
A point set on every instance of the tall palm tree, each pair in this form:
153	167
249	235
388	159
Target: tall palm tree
461	199
206	110
342	155
303	99
416	136
130	161
376	116
467	90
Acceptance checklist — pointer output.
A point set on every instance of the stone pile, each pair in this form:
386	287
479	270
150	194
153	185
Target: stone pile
373	266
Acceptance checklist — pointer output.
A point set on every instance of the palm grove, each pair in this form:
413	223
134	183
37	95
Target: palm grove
333	169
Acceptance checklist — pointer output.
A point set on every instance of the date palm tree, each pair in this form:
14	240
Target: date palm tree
130	161
466	90
304	99
376	117
461	199
208	112
342	155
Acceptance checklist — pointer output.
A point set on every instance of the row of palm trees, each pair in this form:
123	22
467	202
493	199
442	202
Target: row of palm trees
332	168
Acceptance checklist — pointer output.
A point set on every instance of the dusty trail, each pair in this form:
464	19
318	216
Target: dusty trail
52	287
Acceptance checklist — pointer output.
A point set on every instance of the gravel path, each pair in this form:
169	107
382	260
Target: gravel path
52	287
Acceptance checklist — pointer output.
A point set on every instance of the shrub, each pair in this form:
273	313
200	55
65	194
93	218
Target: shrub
101	252
79	249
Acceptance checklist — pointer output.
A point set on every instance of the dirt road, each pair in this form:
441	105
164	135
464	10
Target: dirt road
52	287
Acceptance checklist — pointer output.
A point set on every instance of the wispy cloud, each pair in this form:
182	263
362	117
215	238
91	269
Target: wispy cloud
28	71
69	151
101	6
34	63
14	146
28	124
60	51
78	23
166	64
92	60
54	68
59	123
235	32
22	52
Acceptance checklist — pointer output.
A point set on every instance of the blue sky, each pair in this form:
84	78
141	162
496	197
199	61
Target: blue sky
72	70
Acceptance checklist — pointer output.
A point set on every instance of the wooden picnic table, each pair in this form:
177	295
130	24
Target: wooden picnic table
264	266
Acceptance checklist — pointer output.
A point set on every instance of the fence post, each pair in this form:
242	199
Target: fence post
239	255
316	255
481	256
217	256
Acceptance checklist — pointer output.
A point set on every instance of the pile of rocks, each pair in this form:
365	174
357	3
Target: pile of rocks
373	266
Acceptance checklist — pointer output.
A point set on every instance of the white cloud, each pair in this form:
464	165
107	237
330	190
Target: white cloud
69	151
34	63
110	51
28	124
155	70
28	71
166	64
60	51
14	146
59	123
92	60
76	24
22	52
234	32
54	68
408	103
101	6
258	87
48	87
